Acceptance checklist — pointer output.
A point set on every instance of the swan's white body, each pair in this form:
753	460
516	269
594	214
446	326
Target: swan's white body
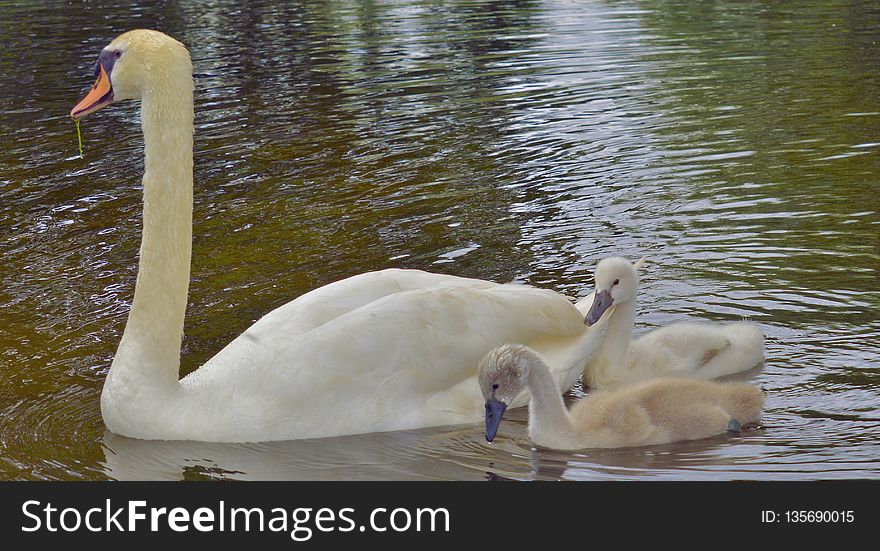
659	411
700	350
382	351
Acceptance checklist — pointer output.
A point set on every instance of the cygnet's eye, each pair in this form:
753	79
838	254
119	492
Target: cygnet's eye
494	386
616	281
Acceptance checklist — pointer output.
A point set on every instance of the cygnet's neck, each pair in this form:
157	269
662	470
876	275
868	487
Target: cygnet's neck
149	352
549	421
618	335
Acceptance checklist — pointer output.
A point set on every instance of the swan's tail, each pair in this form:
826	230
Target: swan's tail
745	352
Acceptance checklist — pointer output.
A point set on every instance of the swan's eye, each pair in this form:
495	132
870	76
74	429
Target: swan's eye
107	59
616	281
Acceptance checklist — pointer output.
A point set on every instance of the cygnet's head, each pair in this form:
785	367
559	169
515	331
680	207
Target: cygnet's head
502	375
617	281
135	64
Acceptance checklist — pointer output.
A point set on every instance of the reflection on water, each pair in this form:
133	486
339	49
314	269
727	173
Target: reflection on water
736	145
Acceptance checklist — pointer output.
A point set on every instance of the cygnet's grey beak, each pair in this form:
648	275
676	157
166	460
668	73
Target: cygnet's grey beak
602	302
494	411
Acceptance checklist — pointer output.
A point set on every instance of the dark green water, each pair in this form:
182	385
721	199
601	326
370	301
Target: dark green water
735	144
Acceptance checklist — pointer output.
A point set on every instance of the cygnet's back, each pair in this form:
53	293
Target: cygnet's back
664	410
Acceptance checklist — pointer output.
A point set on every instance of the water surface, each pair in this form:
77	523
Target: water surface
736	145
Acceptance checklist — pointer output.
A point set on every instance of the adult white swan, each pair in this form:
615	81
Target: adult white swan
700	350
382	351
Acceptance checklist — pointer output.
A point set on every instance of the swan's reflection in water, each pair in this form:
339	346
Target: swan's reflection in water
441	453
513	457
402	455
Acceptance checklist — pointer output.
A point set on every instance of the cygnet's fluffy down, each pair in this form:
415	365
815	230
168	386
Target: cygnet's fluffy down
652	412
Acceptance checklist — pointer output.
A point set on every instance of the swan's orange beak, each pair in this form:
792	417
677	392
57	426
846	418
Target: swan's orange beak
99	96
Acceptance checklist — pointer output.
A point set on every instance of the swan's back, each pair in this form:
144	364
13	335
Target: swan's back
330	301
698	349
405	360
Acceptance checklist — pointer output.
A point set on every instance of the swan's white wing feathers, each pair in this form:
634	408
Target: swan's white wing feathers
405	360
703	350
436	331
583	305
682	340
330	301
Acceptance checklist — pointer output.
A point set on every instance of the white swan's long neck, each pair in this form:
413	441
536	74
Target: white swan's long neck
549	421
148	356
